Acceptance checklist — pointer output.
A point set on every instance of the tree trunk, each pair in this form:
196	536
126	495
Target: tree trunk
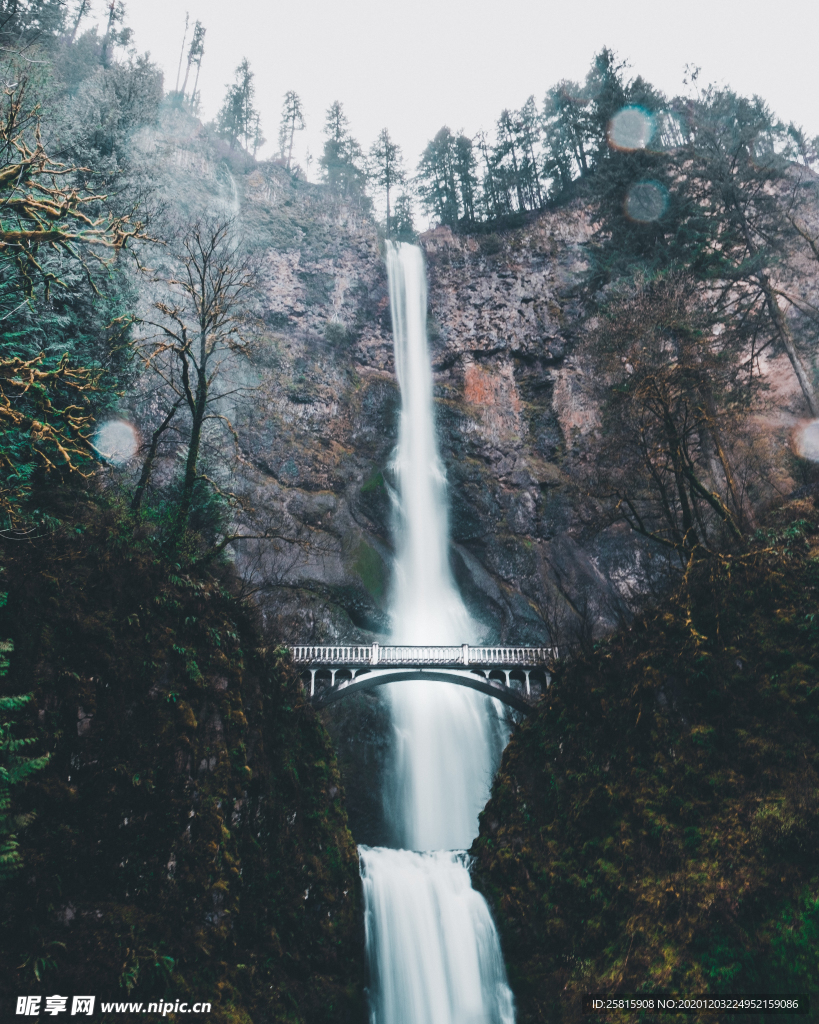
198	418
518	189
785	336
387	180
192	460
290	148
187	74
148	464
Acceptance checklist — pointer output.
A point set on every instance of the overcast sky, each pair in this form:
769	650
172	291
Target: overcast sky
413	67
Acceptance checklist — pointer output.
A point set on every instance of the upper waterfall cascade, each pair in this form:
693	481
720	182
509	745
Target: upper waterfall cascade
432	947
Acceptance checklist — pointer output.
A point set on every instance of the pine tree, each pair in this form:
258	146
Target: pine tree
436	184
490	193
386	168
464	167
566	133
507	154
195	53
528	134
607	91
238	120
292	121
342	159
403	228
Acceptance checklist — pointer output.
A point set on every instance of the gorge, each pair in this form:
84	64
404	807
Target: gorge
242	410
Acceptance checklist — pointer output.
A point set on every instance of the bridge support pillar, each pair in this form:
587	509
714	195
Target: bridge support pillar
313	682
333	678
506	673
526	672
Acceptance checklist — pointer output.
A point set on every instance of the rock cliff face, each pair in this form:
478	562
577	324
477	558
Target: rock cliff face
514	419
318	432
511	420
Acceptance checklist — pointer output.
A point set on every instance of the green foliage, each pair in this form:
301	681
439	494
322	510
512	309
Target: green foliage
654	822
403	227
191	800
342	161
436	182
370	567
14	768
386	170
63	305
238	120
104	108
292	121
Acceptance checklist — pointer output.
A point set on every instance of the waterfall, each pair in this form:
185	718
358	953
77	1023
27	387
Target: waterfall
432	948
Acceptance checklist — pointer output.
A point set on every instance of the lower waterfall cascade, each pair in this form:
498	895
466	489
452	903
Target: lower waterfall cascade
433	952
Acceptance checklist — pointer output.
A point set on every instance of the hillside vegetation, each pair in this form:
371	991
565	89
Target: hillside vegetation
188	835
654	823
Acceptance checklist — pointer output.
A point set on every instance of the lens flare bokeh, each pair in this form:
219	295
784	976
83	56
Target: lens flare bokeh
631	128
646	201
116	441
807	441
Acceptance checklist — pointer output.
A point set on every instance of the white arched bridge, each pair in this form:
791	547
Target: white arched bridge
515	675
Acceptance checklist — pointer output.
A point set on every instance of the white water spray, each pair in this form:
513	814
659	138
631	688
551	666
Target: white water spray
433	950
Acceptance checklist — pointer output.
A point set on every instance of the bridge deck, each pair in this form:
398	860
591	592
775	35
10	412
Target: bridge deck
462	654
515	675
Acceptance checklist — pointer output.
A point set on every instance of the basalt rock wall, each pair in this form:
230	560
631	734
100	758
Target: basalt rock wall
504	318
317	427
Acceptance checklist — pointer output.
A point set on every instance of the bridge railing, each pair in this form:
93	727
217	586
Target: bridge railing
379	654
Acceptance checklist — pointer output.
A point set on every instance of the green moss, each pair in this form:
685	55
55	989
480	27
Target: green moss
369	565
374	483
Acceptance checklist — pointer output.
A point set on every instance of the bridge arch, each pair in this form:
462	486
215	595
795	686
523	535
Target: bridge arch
514	675
369	679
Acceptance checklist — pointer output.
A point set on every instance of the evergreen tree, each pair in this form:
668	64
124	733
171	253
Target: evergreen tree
115	36
528	125
342	159
403	226
607	92
465	166
724	203
292	121
507	157
54	254
490	192
386	169
744	196
23	22
565	125
436	183
195	53
238	120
